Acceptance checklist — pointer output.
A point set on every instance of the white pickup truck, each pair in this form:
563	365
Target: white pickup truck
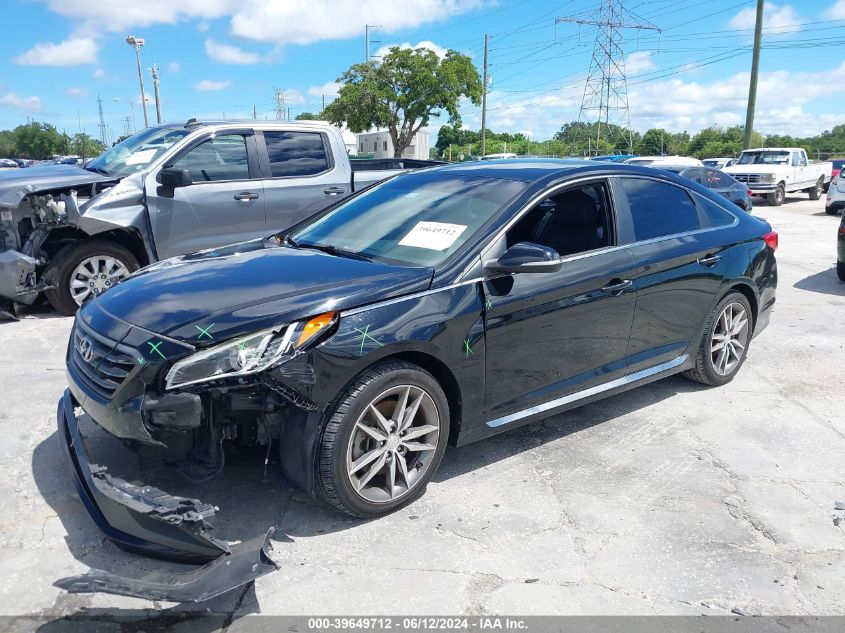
775	171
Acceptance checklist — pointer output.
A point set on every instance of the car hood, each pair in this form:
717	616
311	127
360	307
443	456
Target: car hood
249	286
15	184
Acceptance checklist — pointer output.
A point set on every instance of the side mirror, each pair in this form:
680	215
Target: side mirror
526	257
171	177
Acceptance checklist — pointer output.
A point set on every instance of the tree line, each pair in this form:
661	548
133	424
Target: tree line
579	139
40	141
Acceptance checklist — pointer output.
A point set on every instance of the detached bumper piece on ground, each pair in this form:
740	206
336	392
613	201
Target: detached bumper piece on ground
148	521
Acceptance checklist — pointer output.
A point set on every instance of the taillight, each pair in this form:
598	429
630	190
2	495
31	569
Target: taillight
771	240
750	193
842	232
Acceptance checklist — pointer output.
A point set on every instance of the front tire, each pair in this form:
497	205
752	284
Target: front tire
85	269
840	270
724	345
777	197
817	190
383	441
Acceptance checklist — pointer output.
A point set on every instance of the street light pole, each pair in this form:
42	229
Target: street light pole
154	71
137	43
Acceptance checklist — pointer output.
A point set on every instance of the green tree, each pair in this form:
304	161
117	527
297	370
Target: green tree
310	116
403	91
83	145
39	140
7	143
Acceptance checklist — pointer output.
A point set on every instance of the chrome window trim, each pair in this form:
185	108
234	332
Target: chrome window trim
586	393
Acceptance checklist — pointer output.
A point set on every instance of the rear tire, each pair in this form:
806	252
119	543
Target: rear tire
831	210
724	344
366	470
776	198
87	259
816	191
840	270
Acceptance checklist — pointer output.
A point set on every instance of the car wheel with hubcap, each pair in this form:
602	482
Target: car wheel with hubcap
724	345
384	440
777	196
816	190
84	270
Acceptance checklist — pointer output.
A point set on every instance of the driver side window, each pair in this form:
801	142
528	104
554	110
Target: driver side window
573	221
223	157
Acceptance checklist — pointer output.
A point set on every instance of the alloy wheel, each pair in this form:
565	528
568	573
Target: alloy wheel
393	444
95	275
729	339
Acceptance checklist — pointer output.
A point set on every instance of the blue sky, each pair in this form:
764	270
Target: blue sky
224	57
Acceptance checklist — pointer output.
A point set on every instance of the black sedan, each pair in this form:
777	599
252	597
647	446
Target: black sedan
718	181
438	307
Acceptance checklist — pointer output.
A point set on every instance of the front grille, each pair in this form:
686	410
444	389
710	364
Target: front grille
109	363
747	178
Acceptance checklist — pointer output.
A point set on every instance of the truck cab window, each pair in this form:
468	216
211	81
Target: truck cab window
223	157
573	221
296	153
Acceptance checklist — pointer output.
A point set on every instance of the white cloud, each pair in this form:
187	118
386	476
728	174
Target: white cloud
228	54
329	89
207	85
98	73
202	27
775	17
75	91
639	61
72	52
306	22
293	97
27	104
174	67
438	50
677	104
836	11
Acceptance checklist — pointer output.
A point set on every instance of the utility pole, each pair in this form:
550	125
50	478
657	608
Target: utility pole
254	113
102	124
154	71
137	43
484	101
324	102
755	69
605	99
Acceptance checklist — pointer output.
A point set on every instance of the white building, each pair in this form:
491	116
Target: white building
378	145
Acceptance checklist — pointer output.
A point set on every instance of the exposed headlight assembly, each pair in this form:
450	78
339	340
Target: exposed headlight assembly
248	354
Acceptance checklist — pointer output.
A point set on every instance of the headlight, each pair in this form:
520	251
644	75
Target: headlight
767	177
248	354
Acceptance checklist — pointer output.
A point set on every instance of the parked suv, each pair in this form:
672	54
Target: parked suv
169	190
441	306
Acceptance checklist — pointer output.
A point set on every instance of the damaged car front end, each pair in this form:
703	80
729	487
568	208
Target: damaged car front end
193	379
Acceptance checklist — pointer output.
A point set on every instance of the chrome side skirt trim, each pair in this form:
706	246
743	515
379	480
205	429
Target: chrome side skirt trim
586	393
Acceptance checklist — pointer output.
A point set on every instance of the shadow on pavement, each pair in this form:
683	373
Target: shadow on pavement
824	282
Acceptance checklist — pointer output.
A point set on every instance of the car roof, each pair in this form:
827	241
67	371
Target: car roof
525	169
676	167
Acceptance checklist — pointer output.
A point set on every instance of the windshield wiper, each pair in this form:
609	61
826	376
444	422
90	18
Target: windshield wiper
331	250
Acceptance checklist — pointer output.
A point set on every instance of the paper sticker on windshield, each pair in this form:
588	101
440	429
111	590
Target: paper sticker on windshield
141	157
435	236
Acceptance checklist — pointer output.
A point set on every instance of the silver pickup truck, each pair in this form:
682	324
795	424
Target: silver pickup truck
73	232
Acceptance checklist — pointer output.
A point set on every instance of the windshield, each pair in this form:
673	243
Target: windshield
137	151
417	219
763	158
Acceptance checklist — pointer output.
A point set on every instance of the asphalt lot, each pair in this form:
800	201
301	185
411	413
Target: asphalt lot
670	499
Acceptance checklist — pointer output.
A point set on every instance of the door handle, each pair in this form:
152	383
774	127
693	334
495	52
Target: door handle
246	195
333	191
616	286
710	260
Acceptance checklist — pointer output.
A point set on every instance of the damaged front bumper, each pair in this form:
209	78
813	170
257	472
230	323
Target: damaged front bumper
145	520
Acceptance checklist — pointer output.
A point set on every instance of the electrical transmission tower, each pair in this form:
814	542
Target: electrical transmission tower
102	124
281	108
605	100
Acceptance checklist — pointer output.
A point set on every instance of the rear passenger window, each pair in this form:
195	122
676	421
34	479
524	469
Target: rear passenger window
715	215
296	153
658	208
